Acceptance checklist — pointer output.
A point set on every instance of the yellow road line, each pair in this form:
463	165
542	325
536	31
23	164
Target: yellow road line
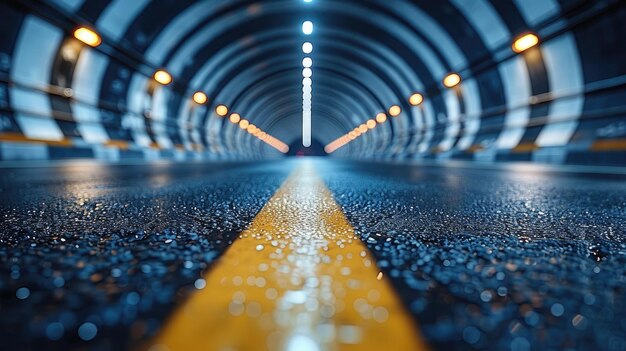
298	279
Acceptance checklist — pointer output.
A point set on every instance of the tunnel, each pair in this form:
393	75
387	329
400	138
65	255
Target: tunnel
312	175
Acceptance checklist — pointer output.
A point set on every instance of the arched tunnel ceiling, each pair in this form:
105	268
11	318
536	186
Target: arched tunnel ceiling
368	55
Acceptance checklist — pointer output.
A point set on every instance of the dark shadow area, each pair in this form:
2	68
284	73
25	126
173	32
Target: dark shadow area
316	149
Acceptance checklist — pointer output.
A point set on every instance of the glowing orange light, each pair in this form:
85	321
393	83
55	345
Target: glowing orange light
525	42
235	118
363	128
371	124
394	111
199	98
221	110
416	99
451	80
87	36
243	124
381	117
162	77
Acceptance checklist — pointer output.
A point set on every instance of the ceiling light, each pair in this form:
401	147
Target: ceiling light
451	80
394	111
416	99
221	110
162	77
87	36
307	62
381	117
307	27
307	48
235	118
525	42
200	98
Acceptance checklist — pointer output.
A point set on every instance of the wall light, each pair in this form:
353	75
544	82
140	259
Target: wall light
381	117
87	36
416	99
199	98
394	111
525	42
307	27
451	80
162	77
221	110
235	118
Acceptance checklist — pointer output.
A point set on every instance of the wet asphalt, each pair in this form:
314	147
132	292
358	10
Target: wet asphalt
521	258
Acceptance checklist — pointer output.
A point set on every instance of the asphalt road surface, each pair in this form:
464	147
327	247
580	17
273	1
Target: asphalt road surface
101	257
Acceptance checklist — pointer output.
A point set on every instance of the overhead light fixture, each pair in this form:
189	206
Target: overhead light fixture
394	111
200	98
416	99
525	42
235	118
307	27
451	80
221	110
307	48
381	117
87	36
162	77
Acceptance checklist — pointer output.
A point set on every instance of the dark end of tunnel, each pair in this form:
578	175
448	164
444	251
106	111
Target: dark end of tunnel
297	149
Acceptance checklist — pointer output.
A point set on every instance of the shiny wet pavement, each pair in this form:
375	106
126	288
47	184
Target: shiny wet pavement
105	257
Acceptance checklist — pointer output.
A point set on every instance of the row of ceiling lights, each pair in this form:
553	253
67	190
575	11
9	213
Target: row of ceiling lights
161	76
393	111
307	85
520	45
244	124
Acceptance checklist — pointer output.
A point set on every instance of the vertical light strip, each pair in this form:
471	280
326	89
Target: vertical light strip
307	86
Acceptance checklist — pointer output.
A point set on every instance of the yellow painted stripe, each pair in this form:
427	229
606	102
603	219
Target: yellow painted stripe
297	279
609	145
20	138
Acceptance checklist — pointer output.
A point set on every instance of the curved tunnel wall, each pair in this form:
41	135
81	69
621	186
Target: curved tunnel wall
563	101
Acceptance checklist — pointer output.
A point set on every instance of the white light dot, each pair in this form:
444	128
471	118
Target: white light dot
307	62
307	27
307	48
307	81
200	283
307	73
